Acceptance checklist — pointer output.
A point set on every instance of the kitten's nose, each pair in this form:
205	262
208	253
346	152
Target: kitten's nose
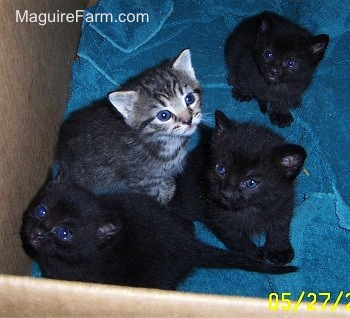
36	236
226	194
188	122
273	71
229	194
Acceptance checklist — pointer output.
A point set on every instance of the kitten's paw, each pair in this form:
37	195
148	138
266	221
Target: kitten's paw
166	191
281	119
280	257
231	80
297	103
262	106
238	95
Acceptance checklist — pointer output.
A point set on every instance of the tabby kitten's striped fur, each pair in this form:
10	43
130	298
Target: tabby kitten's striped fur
141	146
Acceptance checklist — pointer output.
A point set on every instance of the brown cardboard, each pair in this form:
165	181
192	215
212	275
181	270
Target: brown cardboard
35	64
34	75
24	297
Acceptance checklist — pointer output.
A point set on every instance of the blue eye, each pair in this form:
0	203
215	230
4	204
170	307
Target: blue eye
40	211
251	184
290	63
268	54
63	233
220	170
164	115
189	99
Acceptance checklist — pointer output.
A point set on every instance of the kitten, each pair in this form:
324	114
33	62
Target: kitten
273	60
129	239
242	185
136	140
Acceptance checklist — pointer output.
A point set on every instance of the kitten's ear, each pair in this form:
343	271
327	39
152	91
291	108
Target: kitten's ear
57	175
123	101
318	45
266	22
183	63
108	231
222	123
290	159
264	25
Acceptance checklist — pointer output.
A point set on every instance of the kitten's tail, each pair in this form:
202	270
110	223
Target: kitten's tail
209	256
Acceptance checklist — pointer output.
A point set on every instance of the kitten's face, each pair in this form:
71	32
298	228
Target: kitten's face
167	103
176	110
251	167
56	227
287	55
279	64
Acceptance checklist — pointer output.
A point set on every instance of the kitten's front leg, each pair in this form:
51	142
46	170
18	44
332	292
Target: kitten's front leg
234	239
241	242
296	103
164	191
231	80
278	248
242	94
262	106
280	115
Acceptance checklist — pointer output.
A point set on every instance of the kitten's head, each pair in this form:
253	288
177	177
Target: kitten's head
67	224
250	165
163	101
287	53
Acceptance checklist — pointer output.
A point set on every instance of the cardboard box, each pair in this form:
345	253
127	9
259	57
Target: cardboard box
35	74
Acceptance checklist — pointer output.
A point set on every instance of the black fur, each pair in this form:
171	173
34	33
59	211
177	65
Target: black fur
277	87
246	155
126	240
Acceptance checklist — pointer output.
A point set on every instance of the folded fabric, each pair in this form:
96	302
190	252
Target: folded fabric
128	36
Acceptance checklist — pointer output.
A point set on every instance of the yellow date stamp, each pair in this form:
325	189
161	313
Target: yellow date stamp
312	301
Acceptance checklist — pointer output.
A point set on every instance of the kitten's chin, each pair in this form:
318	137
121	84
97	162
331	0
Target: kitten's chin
228	205
31	250
189	130
271	80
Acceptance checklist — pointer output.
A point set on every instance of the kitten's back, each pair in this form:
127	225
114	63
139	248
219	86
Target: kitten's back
94	135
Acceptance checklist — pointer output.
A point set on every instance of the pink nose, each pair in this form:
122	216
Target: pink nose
188	122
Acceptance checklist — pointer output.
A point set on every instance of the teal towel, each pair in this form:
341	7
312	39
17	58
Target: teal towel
110	53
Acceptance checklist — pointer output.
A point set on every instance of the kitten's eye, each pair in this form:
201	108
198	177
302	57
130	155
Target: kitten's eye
220	170
290	63
251	184
40	211
189	99
164	115
268	54
63	233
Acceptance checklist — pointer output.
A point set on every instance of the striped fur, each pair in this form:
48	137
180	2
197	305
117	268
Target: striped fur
138	151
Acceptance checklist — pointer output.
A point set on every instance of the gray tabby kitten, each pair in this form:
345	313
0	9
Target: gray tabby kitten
135	141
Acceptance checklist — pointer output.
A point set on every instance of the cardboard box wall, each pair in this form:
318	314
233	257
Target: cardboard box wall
35	64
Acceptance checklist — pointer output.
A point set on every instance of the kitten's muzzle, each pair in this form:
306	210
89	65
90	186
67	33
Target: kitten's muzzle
187	121
36	237
228	196
231	199
272	76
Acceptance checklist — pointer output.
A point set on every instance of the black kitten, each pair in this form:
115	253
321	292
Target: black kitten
126	240
242	185
273	60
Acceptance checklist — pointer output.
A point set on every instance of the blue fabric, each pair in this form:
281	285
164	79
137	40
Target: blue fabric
110	53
